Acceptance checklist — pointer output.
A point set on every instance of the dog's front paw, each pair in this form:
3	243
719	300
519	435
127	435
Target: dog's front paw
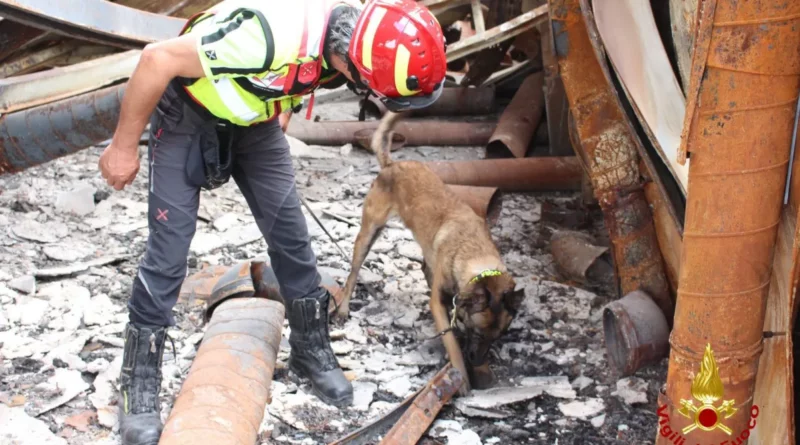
342	314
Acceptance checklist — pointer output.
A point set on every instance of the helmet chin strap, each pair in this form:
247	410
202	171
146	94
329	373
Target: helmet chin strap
358	87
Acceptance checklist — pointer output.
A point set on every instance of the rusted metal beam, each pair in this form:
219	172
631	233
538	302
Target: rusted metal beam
14	36
502	32
513	175
37	59
41	134
662	192
454	101
415	132
555	98
485	201
30	90
94	20
405	424
741	105
609	154
519	120
224	395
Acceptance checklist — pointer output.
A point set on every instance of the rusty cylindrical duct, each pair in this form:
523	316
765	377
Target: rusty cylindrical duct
41	134
454	101
519	120
222	400
610	158
487	202
636	332
416	132
744	85
513	175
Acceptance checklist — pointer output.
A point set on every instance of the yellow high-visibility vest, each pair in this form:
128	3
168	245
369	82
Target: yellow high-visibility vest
259	57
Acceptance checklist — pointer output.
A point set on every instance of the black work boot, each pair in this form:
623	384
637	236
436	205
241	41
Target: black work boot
311	354
140	384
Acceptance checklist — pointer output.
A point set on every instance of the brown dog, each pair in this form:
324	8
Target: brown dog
460	258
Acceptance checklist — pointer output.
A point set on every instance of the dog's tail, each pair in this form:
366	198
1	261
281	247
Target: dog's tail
382	138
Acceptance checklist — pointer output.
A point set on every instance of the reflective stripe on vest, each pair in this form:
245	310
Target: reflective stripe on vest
295	69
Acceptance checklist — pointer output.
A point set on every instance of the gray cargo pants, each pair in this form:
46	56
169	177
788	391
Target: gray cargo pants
263	172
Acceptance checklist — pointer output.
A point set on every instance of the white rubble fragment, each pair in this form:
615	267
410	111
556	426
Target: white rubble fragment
582	409
412	251
300	149
556	386
409	316
33	230
598	421
78	201
97	366
378	314
105	391
379	408
454	433
78	267
100	311
345	149
563	358
354	333
582	382
369	277
204	242
342	347
632	390
67	383
28	311
21	429
25	284
226	221
400	387
241	236
293	407
544	347
363	393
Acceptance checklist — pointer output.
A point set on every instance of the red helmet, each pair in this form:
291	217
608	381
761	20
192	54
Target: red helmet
398	48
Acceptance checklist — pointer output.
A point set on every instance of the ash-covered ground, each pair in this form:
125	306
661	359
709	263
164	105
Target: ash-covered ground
70	245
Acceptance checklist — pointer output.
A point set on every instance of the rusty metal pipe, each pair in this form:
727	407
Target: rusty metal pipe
636	332
608	151
415	132
487	202
519	120
741	103
41	134
223	398
513	175
454	101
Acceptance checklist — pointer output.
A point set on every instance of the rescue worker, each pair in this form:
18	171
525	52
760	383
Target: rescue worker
218	99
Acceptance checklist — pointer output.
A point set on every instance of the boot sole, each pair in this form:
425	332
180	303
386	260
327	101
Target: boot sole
343	403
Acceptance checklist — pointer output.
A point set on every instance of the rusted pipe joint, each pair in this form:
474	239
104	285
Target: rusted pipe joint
636	332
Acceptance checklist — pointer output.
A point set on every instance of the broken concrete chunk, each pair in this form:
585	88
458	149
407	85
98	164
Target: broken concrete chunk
25	284
226	221
79	267
582	409
204	242
598	421
28	311
454	433
65	384
632	390
582	382
21	429
557	386
78	201
33	230
362	395
67	252
400	387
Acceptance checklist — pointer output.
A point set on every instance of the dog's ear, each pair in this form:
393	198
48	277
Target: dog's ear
513	299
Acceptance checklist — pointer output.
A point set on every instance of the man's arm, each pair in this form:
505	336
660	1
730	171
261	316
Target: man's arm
284	118
158	65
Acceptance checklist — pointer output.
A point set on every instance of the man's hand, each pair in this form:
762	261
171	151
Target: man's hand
119	165
283	118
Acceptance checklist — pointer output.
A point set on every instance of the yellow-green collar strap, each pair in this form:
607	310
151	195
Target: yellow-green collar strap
484	274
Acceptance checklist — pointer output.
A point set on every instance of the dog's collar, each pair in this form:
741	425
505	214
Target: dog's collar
484	274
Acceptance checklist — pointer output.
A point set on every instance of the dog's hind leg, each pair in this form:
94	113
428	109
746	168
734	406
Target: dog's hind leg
442	322
377	209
